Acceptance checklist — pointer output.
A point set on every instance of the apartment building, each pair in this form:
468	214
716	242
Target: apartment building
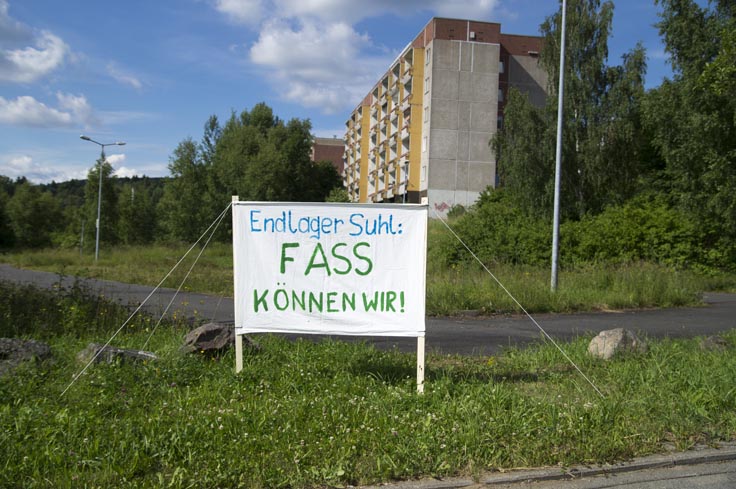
422	134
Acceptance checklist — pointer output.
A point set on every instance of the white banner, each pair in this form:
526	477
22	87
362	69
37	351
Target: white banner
342	269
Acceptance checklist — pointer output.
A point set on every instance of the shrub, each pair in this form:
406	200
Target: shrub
496	231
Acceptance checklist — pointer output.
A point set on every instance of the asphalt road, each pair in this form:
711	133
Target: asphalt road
467	336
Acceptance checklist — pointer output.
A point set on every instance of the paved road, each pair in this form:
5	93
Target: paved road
481	336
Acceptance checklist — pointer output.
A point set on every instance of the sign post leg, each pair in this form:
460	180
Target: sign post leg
420	364
238	353
238	338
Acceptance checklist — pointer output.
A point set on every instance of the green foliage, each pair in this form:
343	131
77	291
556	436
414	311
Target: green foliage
137	215
255	156
183	210
26	311
692	118
34	215
338	195
7	238
498	232
602	143
645	228
332	413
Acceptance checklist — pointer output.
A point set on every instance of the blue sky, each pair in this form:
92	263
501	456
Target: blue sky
151	72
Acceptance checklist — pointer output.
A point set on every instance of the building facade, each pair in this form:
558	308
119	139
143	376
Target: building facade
422	134
329	149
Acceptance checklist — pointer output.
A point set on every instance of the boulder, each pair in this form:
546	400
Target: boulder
109	354
614	341
212	339
13	351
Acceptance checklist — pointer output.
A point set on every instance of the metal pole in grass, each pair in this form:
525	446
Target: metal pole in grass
99	189
558	158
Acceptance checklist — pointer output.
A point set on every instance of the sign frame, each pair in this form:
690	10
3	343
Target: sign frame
249	321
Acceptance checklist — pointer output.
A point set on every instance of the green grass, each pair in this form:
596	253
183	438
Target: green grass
305	414
449	290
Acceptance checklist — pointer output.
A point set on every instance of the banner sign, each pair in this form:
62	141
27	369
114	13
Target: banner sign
340	269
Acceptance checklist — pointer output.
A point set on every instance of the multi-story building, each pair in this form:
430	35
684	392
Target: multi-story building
422	134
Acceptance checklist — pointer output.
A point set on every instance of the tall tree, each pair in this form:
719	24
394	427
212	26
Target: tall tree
259	157
693	116
182	215
601	154
34	216
137	215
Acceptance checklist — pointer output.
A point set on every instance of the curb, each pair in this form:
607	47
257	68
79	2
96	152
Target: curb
696	456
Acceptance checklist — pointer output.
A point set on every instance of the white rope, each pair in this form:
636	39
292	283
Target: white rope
217	220
217	308
183	281
519	304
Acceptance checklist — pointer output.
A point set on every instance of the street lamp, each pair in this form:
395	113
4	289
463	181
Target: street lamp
99	189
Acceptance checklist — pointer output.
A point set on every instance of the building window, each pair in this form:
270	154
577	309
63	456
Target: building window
501	67
426	114
426	85
424	144
500	95
428	56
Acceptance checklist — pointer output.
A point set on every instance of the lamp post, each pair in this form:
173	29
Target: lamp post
558	156
99	189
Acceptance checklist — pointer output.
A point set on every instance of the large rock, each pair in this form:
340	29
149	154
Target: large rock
614	341
13	351
109	354
212	339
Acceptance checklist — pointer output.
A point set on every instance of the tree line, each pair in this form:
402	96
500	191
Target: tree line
254	155
661	159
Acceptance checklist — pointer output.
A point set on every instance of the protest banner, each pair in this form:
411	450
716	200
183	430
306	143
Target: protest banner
328	268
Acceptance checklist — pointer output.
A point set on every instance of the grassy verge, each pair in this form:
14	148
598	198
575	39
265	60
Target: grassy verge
449	290
306	414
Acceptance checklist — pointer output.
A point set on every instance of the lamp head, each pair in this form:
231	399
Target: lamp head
86	138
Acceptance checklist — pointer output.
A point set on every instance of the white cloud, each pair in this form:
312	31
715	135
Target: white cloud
31	63
15	166
318	66
312	52
251	12
116	159
247	12
78	107
27	111
125	172
121	76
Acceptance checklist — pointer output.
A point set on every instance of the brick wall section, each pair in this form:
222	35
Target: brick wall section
329	149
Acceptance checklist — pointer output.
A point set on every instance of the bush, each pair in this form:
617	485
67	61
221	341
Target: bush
642	229
646	228
496	231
